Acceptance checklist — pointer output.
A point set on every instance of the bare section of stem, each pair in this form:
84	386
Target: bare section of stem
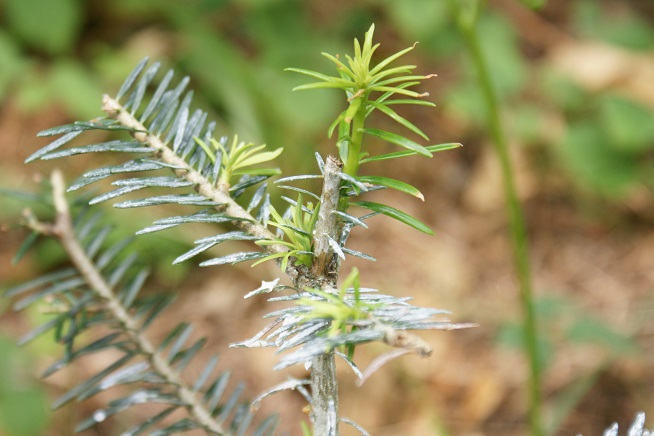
63	231
324	386
324	395
327	224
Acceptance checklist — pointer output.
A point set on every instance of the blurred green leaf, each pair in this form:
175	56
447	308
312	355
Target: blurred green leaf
527	122
633	32
500	47
67	81
11	61
34	92
506	67
593	21
511	335
427	21
570	396
597	332
48	25
464	101
23	404
586	15
630	126
587	153
417	19
567	95
534	4
74	85
223	74
550	307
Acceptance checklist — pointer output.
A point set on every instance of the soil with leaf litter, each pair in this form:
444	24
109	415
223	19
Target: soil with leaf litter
592	273
474	383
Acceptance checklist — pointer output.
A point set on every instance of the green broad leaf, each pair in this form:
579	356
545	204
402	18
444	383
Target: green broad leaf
394	213
432	148
397	118
398	185
399	140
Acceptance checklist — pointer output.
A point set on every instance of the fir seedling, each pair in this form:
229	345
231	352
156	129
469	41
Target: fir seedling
168	146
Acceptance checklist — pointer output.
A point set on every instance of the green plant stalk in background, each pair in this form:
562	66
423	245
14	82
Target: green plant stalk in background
467	20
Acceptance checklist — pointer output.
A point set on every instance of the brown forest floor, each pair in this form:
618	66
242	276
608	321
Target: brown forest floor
471	385
592	257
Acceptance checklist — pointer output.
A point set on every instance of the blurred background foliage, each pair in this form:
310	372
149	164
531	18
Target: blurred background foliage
576	81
